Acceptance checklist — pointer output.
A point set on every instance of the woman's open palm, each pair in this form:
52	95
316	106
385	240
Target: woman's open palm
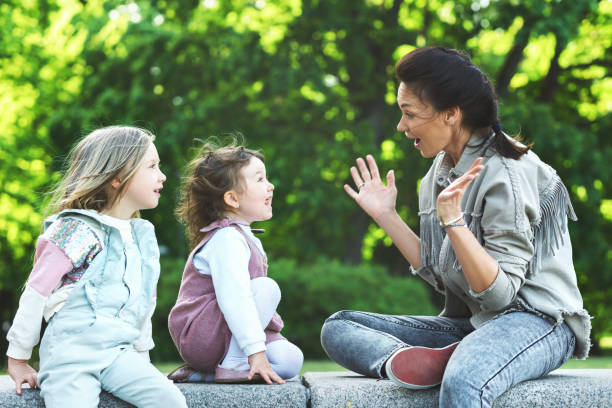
448	204
372	194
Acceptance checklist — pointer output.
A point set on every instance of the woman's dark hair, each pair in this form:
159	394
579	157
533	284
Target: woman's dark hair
214	171
446	78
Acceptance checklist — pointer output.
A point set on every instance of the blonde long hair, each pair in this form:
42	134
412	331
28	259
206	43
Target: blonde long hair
100	157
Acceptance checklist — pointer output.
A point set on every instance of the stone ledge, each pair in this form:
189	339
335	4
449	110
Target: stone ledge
292	394
561	388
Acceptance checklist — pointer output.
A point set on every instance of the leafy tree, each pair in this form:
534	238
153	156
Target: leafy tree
311	84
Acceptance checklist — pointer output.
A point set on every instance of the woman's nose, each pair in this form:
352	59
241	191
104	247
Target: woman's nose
401	127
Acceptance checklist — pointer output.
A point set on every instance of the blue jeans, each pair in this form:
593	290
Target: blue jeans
508	349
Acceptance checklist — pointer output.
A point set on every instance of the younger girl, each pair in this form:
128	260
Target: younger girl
224	323
94	277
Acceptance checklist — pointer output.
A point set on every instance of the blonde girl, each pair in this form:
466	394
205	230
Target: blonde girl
224	323
94	277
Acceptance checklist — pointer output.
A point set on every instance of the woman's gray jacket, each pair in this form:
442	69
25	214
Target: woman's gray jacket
518	210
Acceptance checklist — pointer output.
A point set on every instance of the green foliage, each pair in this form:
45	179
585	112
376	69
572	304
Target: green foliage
311	83
311	293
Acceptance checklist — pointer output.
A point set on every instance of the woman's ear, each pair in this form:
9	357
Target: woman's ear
231	199
452	116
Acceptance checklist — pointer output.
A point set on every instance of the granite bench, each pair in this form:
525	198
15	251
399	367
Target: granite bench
561	388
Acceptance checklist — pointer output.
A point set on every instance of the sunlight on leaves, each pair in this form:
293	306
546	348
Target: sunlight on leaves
606	209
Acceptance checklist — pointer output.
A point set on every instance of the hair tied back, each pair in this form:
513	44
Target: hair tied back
497	127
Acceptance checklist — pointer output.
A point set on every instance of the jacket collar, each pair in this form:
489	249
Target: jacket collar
474	148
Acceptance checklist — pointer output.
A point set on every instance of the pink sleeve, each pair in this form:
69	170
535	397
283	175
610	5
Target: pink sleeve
51	264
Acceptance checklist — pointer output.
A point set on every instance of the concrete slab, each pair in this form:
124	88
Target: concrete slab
561	388
350	390
293	394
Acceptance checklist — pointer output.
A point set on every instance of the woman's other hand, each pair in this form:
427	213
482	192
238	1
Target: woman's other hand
260	365
448	204
21	372
372	195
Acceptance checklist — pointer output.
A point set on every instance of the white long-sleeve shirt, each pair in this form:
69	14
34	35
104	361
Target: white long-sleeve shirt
226	259
63	253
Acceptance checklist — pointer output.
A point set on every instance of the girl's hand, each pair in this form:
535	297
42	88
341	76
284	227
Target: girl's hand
21	372
372	195
260	365
448	204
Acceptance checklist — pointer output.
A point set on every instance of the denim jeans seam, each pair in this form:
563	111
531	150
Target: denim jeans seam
523	350
414	326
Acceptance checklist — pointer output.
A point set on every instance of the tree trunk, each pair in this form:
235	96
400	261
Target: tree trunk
550	84
513	59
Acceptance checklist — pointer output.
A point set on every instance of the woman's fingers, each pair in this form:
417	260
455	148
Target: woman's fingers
365	172
391	179
352	193
373	167
476	162
464	180
356	177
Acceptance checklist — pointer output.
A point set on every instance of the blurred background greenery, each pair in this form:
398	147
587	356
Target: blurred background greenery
310	83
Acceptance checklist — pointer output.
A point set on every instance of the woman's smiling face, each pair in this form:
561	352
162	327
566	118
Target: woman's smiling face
422	123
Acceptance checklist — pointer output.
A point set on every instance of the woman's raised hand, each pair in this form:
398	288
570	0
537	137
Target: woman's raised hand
448	204
372	194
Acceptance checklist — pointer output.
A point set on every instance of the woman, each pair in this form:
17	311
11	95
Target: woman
494	241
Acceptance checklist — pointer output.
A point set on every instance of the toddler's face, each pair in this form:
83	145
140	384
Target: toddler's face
255	199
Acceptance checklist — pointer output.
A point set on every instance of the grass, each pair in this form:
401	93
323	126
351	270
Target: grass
591	362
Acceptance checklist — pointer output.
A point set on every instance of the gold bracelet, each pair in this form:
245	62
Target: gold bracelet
451	222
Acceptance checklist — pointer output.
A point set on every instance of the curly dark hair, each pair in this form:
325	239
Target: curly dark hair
214	171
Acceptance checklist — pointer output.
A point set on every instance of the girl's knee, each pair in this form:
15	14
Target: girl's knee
267	287
292	364
286	357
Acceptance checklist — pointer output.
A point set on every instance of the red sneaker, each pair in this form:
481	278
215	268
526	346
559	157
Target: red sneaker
419	367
